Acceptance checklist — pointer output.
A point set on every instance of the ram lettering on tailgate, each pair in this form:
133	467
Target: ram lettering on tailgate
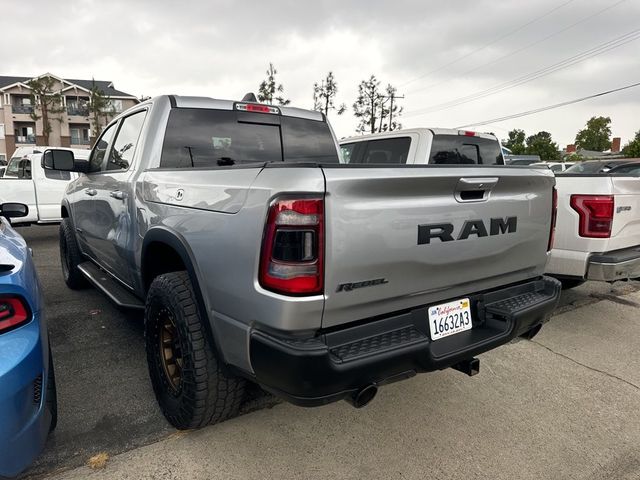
444	231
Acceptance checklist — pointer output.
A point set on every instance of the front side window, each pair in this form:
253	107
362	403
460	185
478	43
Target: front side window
57	175
97	157
124	147
346	152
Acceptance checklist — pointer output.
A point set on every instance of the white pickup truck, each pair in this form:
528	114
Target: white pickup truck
440	146
598	227
25	181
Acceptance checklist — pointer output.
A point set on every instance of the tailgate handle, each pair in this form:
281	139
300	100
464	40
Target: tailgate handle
474	189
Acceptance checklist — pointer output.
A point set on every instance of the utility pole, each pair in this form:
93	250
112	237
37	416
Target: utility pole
392	96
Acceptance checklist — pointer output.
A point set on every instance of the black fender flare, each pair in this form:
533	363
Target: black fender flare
176	241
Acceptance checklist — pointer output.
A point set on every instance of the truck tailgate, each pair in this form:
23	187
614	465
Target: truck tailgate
401	237
625	231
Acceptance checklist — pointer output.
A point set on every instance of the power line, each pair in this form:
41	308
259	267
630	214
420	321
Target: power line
587	54
549	107
495	40
521	49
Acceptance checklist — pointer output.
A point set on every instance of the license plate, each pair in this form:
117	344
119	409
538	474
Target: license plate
449	318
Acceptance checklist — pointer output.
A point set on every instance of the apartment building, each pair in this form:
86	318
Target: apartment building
70	128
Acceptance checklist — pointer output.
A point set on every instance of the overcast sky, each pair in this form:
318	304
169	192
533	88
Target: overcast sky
222	49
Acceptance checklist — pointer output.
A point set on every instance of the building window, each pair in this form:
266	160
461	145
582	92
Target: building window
77	106
21	104
24	133
79	134
1	131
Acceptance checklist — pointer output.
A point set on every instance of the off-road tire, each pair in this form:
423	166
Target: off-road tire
207	392
70	257
52	395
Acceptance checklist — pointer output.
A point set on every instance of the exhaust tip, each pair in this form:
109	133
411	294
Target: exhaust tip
363	396
532	333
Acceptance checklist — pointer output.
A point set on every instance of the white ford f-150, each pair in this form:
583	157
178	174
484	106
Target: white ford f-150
25	181
598	227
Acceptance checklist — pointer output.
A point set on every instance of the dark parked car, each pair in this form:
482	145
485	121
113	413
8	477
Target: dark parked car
623	165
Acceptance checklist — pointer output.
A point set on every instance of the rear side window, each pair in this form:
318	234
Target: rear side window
383	151
460	149
204	138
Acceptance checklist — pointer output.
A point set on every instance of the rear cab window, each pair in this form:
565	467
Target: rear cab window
207	138
377	152
462	149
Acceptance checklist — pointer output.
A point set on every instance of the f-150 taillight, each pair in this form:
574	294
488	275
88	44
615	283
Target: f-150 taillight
13	312
291	261
554	217
596	215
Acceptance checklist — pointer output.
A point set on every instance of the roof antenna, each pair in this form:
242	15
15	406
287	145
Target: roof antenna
250	97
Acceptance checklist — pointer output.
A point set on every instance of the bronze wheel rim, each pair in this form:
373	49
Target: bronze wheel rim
170	351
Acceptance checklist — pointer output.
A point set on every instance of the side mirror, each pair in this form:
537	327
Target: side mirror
58	160
13	210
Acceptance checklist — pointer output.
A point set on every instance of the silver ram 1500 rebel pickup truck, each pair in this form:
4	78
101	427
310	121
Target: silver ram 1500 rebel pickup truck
257	256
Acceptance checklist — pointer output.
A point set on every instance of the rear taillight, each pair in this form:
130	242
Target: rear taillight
596	214
13	313
554	216
292	260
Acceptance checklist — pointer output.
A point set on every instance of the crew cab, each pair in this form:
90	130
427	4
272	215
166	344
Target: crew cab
418	146
257	255
25	181
598	227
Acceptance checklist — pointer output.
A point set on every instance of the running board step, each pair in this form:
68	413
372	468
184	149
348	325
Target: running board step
110	287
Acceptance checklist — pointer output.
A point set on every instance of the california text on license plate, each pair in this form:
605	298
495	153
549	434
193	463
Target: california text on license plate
449	318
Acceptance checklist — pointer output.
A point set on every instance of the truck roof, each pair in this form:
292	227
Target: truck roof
180	101
420	131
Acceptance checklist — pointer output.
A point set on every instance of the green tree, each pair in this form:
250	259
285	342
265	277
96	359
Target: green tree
100	109
47	103
368	104
596	135
632	149
541	144
515	142
270	91
324	96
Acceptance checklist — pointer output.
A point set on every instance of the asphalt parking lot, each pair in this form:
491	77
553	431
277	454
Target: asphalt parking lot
565	405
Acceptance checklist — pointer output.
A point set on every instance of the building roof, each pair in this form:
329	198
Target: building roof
104	85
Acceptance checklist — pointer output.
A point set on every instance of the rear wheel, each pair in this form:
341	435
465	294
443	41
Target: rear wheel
52	395
191	384
70	257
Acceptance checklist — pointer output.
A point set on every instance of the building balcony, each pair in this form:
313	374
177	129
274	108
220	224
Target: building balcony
79	111
26	139
28	109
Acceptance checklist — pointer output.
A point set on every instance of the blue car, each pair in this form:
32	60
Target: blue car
28	408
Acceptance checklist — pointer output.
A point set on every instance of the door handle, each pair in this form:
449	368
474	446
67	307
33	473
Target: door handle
118	194
92	192
474	189
466	184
